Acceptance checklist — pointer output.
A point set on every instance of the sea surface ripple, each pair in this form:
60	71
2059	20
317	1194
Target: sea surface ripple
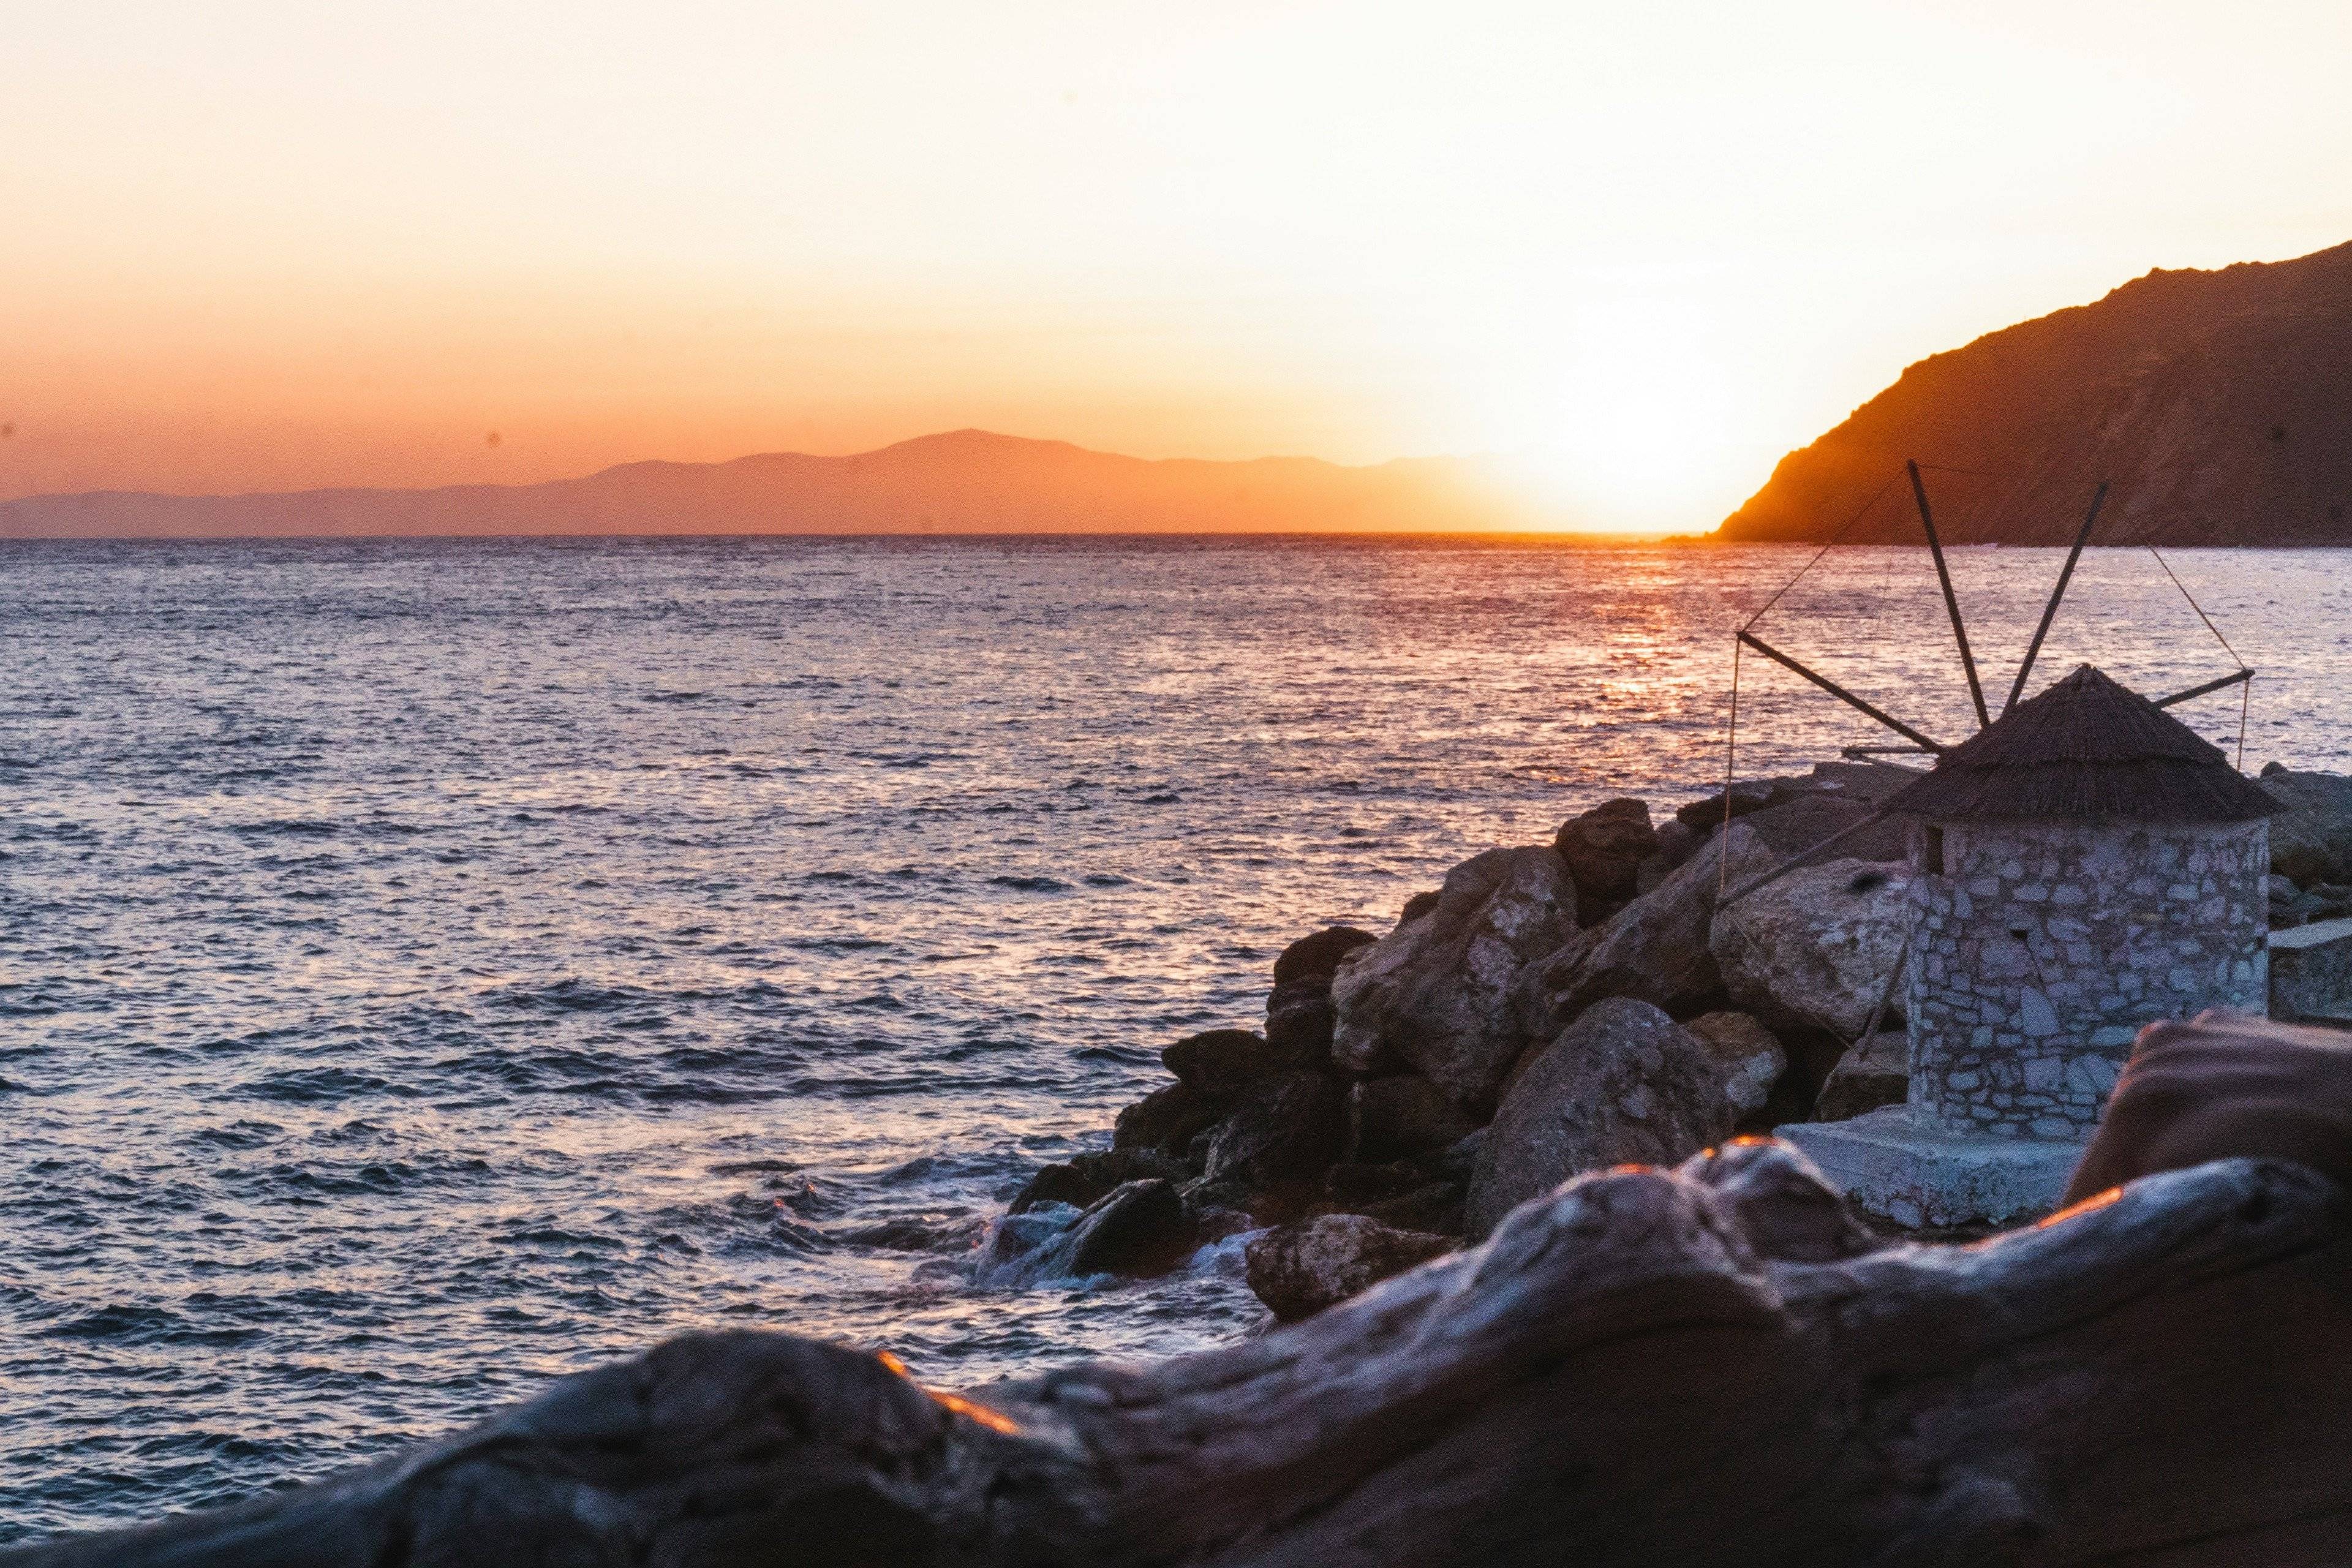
428	968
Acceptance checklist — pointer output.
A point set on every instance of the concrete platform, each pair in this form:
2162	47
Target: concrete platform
1918	1176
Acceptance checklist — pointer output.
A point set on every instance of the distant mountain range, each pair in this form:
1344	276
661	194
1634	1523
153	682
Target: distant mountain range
966	482
2217	405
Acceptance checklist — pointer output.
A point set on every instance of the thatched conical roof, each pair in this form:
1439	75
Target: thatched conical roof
2086	749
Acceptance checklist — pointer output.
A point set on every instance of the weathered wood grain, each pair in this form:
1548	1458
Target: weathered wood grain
1646	1368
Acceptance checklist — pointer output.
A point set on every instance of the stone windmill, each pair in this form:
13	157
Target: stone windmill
2084	865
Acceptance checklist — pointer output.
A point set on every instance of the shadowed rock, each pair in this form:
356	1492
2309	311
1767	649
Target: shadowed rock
1645	1370
1797	825
2310	840
1752	1058
1286	1131
1604	848
1317	956
1872	1073
1393	1118
1298	1018
1088	1177
1167	1119
1219	1065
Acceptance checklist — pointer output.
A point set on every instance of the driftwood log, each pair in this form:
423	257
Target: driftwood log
1647	1367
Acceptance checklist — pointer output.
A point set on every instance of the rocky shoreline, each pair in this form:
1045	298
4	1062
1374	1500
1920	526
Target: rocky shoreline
1549	1009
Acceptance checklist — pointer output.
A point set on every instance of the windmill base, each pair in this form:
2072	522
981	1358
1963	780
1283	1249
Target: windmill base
1890	1166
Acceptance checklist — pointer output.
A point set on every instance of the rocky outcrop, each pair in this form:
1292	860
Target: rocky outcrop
1433	995
1300	1269
1654	950
1382	1058
1624	1084
2311	838
1872	1073
2212	401
1813	949
1751	1056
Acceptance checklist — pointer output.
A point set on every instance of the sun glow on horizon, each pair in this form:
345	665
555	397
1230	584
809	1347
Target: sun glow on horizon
261	246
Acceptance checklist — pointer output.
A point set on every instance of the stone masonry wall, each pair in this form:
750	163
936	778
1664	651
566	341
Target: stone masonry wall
2043	950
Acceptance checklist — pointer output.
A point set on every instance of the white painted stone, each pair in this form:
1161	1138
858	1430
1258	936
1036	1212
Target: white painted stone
1915	1175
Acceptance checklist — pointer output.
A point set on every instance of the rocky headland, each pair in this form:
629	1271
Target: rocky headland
2212	401
1548	1010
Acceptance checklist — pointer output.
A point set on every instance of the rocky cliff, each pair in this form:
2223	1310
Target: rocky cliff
2216	403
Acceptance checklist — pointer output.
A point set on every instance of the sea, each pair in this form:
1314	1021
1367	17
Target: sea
430	968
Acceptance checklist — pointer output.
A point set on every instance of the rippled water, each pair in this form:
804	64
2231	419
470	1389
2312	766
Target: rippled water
428	968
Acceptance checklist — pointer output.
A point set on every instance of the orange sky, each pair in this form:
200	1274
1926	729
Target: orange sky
260	247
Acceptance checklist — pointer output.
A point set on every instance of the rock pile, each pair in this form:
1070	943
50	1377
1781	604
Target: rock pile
1549	1009
1552	1009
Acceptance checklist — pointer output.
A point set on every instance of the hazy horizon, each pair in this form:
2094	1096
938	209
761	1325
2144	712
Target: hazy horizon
262	248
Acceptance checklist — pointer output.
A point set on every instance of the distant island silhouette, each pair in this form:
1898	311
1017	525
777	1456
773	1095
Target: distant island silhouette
964	481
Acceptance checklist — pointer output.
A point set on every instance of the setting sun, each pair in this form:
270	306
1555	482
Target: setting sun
1645	250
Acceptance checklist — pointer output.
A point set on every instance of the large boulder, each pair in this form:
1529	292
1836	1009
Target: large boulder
1088	1177
1750	1055
1300	1269
1862	780
1653	950
1622	1085
1140	1228
1286	1131
1872	1073
1743	797
1798	825
1317	956
1219	1065
2311	838
1812	951
1168	1119
1433	995
1395	1118
1604	848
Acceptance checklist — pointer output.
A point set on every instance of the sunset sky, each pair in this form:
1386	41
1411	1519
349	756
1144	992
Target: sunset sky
278	246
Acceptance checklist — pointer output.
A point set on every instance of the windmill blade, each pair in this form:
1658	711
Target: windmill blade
2200	690
1839	692
1951	601
2050	611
